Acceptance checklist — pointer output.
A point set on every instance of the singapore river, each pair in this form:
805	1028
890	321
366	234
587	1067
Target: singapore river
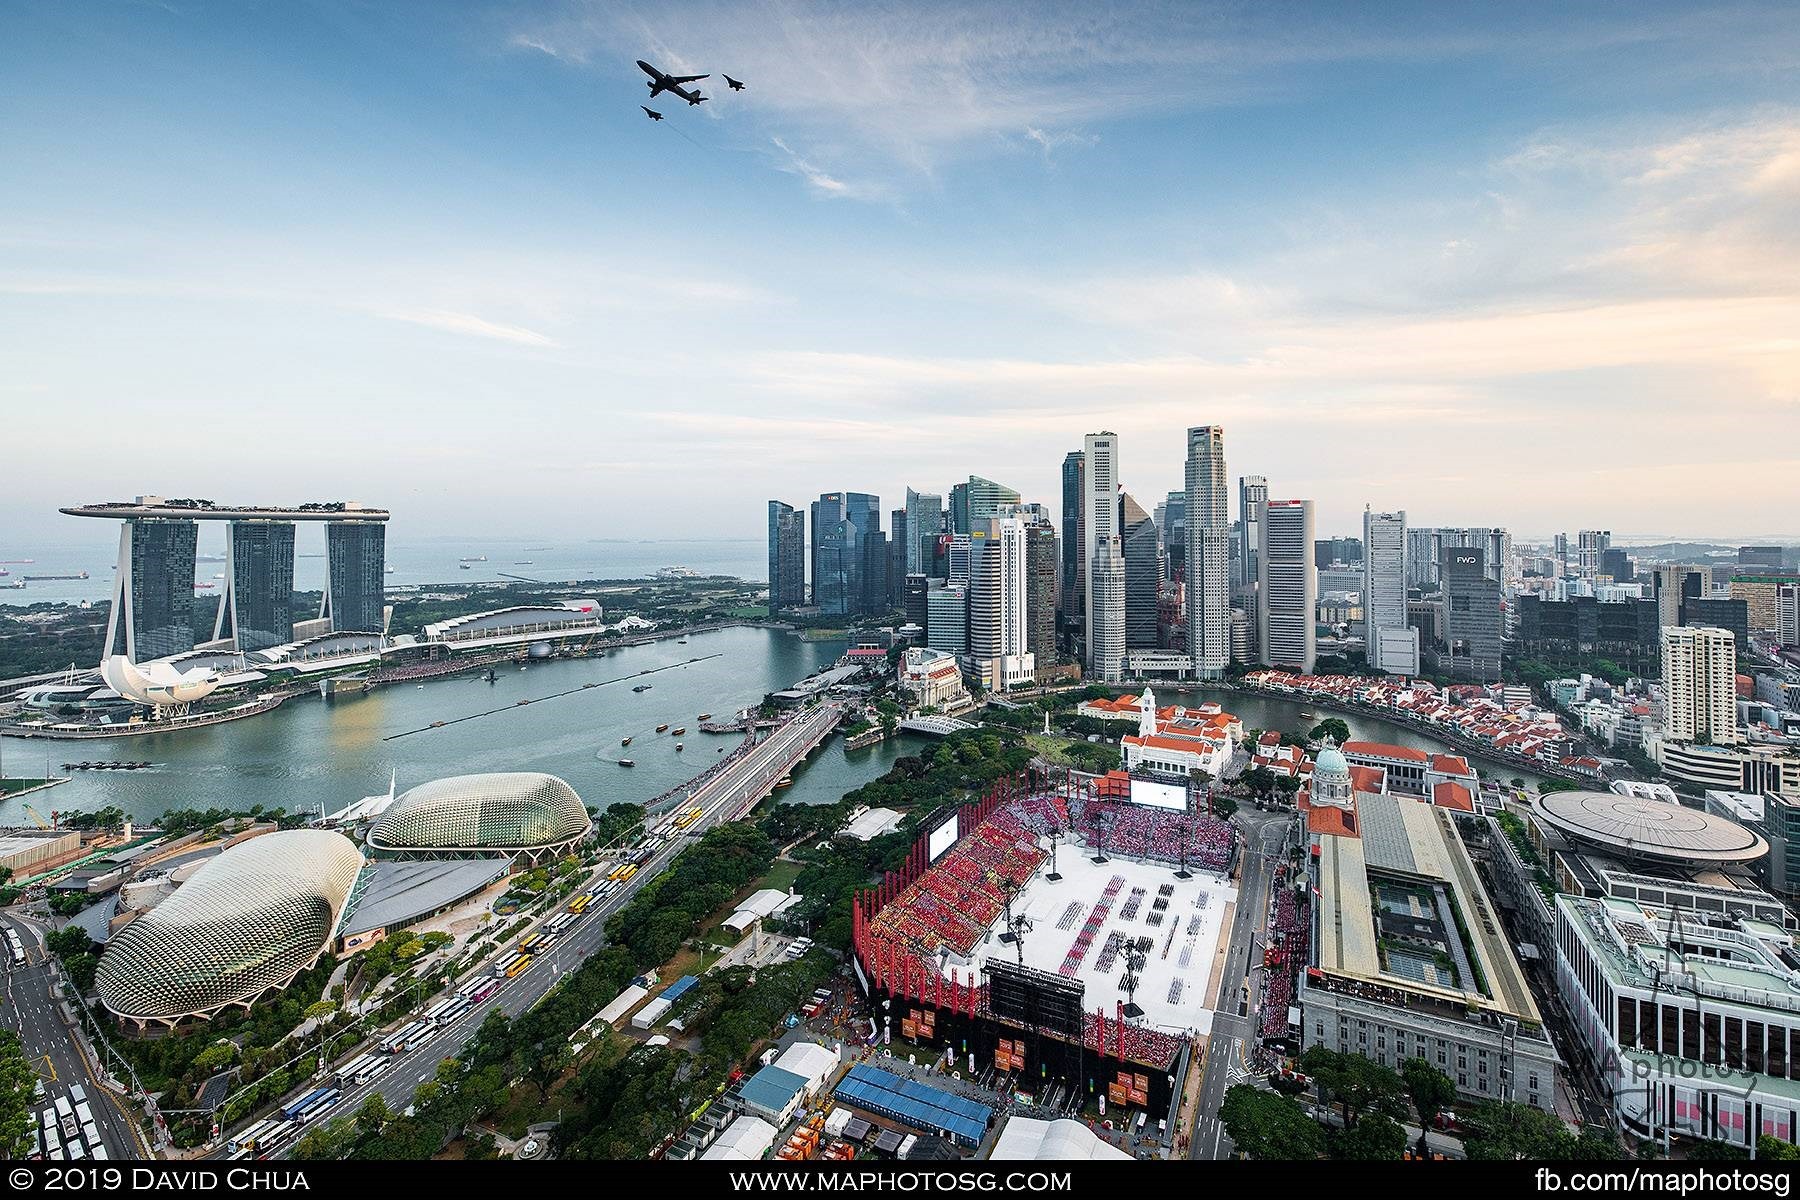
312	751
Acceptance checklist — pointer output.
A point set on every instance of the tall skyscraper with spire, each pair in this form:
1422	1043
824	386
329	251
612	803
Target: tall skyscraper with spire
1105	657
1208	553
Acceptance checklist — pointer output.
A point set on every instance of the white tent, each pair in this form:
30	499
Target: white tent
1024	1138
745	1138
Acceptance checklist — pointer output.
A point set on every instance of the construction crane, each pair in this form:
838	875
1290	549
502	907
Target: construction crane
36	816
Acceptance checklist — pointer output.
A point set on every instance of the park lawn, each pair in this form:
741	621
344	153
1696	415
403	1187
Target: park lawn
9	786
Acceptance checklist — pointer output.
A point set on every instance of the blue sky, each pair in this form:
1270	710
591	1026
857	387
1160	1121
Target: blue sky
1529	265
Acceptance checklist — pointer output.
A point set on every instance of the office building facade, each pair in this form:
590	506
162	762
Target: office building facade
1141	546
1391	644
1042	567
1590	546
924	521
153	589
947	624
999	629
356	577
1208	580
1105	601
1072	603
1474	629
787	557
1288	587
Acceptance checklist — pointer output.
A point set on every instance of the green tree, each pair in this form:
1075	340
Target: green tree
1359	1085
1333	728
373	1116
1776	1150
1268	1127
1431	1090
1375	1138
18	1085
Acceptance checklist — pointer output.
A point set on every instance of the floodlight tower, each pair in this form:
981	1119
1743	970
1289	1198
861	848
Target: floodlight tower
1055	836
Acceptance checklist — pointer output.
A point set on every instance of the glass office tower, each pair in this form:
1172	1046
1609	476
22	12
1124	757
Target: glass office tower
153	590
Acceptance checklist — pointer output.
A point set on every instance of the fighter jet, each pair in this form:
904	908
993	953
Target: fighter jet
660	83
651	113
734	84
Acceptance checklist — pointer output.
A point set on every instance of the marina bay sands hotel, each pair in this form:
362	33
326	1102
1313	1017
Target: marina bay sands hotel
153	590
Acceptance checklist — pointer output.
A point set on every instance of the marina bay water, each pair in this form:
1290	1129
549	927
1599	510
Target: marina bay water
312	751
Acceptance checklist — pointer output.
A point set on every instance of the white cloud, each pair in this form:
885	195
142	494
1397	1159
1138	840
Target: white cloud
469	325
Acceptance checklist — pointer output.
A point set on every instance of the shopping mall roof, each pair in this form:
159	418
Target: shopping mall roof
1654	829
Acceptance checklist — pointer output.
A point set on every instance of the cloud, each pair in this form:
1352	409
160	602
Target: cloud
824	184
469	326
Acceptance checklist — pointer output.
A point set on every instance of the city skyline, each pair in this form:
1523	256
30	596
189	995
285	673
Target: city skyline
1470	244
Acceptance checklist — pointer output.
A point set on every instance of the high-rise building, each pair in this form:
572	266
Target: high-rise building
153	589
958	560
947	626
1173	523
1208	552
896	559
1720	613
1759	556
1425	573
1288	589
917	601
1345	551
1142	549
1473	626
849	554
1759	589
1589	546
1042	571
959	508
1253	497
1072	600
1616	564
924	521
1421	560
999	629
1787	614
1392	645
865	511
257	611
787	557
987	498
356	576
1672	587
1699	671
1105	603
828	513
1559	550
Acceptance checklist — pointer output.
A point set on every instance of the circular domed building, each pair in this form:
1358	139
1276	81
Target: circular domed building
1330	782
247	922
520	813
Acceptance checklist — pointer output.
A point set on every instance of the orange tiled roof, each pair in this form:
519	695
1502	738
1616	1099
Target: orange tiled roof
1331	821
1450	794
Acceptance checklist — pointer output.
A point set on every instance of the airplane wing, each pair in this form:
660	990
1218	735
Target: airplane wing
687	78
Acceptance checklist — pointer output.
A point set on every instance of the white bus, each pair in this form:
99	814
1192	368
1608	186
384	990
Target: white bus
452	1011
405	1038
504	968
249	1142
360	1069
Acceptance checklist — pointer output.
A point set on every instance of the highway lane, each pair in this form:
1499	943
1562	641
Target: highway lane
34	1010
1234	1037
721	798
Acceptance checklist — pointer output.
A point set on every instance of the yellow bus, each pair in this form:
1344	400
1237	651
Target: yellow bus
688	818
629	870
580	903
531	941
519	967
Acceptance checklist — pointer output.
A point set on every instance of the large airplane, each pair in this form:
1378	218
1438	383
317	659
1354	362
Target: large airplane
660	83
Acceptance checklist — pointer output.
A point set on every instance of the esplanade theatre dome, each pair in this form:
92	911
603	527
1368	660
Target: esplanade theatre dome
249	920
517	812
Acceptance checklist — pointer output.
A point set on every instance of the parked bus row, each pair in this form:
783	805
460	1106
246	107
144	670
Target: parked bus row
66	1129
15	947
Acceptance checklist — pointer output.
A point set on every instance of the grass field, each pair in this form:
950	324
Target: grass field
10	786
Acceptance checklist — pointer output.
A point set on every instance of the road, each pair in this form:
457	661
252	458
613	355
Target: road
722	799
1234	1037
34	1011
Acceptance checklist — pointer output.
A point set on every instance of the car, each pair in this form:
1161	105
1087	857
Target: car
38	1091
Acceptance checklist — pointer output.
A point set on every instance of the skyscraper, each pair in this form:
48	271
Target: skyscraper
1673	586
959	561
987	498
864	510
1473	626
998	599
948	626
1590	545
1072	601
1173	524
1391	644
1253	497
787	557
917	602
356	576
959	508
924	520
1288	588
896	559
257	611
1699	666
1141	547
1042	569
153	590
1105	603
1208	552
836	556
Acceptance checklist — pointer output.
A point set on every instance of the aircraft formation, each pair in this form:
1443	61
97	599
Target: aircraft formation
676	85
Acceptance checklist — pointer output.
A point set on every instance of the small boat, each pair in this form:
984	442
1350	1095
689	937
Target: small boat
678	732
522	702
437	724
661	728
626	762
624	741
491	676
678	746
682	642
784	783
465	566
704	717
642	687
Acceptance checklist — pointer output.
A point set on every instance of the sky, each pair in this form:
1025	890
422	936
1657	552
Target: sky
1529	265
